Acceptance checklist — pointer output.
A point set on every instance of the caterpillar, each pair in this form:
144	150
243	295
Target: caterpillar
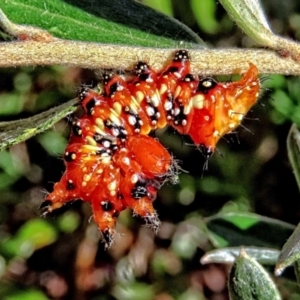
112	162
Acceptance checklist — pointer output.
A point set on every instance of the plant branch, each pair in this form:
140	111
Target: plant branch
95	55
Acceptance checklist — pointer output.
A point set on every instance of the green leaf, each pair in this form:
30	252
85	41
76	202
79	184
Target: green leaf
52	142
205	15
15	132
33	235
290	252
297	270
26	295
229	255
293	148
118	22
247	229
162	6
134	291
249	281
249	16
68	221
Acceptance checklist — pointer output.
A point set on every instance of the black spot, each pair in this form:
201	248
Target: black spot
68	156
113	88
107	237
76	129
70	185
144	76
140	190
205	151
90	106
181	55
107	77
122	132
178	119
205	85
115	214
141	68
98	137
107	205
82	93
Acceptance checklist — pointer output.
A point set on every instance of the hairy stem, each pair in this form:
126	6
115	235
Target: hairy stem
95	55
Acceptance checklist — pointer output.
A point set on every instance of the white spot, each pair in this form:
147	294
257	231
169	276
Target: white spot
231	125
126	161
120	88
112	186
132	120
168	105
87	177
115	131
150	111
207	118
176	111
216	133
183	122
207	83
134	178
106	160
155	100
106	144
99	171
149	80
198	101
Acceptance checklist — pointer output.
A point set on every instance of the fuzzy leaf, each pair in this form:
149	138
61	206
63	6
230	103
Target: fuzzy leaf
15	132
250	17
229	255
290	252
249	281
118	22
293	147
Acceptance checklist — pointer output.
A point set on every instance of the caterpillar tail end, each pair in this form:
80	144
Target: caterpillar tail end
49	206
152	221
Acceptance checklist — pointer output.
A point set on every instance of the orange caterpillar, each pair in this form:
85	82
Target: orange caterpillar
111	161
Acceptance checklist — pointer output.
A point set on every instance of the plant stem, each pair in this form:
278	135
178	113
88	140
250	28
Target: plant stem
95	55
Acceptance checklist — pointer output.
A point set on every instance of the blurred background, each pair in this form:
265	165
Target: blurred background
62	257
